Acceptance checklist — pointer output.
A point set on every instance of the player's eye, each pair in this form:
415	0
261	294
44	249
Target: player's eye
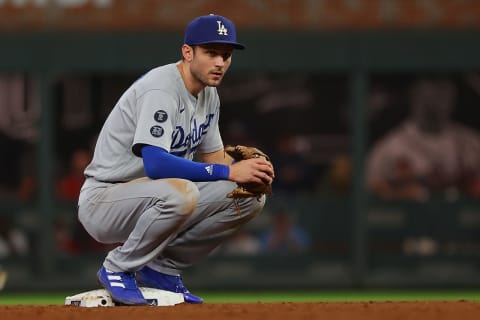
211	53
226	56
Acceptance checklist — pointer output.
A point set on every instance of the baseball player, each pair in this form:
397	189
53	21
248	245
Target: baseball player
144	189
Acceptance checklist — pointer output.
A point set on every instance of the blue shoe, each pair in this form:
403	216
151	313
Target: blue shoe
154	279
122	287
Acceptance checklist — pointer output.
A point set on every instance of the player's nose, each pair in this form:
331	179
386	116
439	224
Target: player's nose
219	61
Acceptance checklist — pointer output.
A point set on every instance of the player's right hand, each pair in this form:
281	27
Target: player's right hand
256	170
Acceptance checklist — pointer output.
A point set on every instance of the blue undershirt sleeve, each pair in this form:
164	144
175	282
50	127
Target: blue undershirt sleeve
159	164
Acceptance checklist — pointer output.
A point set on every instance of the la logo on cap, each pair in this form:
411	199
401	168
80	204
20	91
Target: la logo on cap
222	31
211	29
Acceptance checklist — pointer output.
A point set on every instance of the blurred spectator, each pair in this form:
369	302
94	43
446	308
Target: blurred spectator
19	106
20	109
293	173
64	239
17	170
429	154
284	236
69	185
239	133
242	243
70	236
68	231
10	166
13	242
336	182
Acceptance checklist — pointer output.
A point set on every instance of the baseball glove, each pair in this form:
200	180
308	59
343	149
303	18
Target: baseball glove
247	190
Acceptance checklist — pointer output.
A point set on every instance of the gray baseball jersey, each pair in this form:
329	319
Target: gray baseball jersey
156	110
167	224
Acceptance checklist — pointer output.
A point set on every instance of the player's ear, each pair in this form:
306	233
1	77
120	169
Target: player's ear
187	52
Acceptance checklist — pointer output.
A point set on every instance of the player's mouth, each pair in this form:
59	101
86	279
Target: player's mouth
217	74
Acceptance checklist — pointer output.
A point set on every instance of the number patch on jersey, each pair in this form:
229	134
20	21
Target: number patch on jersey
156	131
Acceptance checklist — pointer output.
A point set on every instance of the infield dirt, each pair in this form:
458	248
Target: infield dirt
435	310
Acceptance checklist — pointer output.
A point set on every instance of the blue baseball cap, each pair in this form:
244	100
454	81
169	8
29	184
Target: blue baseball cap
211	29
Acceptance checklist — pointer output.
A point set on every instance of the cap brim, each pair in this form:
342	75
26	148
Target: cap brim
236	45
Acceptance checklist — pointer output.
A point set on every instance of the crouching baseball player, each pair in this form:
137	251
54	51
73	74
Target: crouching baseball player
143	188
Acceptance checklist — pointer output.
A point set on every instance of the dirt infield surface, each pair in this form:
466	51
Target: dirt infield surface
437	310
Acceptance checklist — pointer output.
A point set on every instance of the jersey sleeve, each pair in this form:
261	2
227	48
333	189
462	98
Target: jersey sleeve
157	111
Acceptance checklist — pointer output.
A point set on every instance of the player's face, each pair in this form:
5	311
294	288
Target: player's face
210	63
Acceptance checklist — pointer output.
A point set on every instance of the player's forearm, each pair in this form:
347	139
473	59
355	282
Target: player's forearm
160	164
220	157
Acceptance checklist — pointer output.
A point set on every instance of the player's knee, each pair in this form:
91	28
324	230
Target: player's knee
252	206
186	197
100	236
94	230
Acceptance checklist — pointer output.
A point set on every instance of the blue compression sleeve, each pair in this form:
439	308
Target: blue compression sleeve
160	164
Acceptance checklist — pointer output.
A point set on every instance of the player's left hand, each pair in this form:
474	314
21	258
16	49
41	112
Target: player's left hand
253	172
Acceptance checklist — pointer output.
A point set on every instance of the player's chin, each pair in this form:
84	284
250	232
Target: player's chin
214	82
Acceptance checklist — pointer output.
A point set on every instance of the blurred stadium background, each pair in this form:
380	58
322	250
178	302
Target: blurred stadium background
321	82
